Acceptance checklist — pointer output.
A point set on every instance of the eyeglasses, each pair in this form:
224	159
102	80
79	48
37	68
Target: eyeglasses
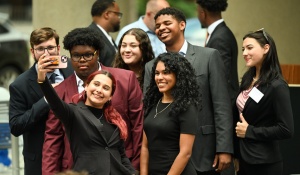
50	49
264	33
117	13
86	56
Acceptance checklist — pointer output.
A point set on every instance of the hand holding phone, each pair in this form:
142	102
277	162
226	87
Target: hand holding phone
58	61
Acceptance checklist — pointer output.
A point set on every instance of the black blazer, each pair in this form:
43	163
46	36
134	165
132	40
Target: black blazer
108	53
90	149
224	41
214	133
270	120
28	112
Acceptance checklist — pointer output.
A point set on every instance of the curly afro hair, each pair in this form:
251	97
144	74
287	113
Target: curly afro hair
186	90
213	5
83	36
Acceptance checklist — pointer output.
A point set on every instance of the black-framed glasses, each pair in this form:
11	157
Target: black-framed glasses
41	50
86	56
117	13
264	33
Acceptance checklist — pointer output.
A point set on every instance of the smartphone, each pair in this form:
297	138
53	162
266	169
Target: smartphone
58	61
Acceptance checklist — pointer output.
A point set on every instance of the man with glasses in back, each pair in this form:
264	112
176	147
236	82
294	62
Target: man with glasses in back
28	110
106	18
84	47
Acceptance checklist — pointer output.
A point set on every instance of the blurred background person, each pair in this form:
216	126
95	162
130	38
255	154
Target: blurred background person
170	121
134	51
220	37
106	18
147	23
264	111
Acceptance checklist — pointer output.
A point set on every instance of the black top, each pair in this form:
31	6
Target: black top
91	149
108	127
163	133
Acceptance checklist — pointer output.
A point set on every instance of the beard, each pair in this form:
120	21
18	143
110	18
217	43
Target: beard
116	27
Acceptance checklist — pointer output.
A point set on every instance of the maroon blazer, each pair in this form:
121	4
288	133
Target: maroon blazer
127	100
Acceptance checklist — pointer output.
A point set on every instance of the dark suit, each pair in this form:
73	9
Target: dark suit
91	150
126	100
28	112
214	133
224	41
270	120
108	53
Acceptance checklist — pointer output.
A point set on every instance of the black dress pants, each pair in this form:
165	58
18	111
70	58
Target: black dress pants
260	169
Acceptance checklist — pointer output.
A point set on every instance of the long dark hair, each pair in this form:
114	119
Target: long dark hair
270	68
185	92
110	113
146	50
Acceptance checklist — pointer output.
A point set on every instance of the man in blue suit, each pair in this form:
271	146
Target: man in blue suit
213	144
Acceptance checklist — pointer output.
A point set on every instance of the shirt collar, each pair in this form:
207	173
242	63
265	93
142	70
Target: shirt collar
143	25
212	27
184	48
105	33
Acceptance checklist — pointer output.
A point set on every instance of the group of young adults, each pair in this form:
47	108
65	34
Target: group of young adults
168	114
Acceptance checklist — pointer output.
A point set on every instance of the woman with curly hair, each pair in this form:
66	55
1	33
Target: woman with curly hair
170	123
134	51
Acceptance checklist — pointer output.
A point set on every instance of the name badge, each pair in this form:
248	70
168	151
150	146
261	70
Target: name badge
255	94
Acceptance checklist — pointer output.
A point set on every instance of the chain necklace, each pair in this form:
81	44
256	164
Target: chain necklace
161	110
100	116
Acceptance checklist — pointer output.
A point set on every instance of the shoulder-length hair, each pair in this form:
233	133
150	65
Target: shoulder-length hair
146	50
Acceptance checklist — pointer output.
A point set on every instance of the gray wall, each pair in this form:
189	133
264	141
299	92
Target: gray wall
65	15
281	19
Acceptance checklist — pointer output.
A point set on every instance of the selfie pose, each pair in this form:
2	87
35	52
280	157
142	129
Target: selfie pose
263	108
96	131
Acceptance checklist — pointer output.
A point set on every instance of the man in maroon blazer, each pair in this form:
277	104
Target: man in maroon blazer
84	47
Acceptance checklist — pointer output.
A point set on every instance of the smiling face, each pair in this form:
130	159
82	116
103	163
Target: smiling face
253	52
164	78
98	91
84	68
168	29
130	50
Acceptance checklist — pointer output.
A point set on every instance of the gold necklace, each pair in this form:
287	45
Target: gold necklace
161	110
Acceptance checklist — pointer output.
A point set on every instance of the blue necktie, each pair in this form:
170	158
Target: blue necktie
182	53
52	78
